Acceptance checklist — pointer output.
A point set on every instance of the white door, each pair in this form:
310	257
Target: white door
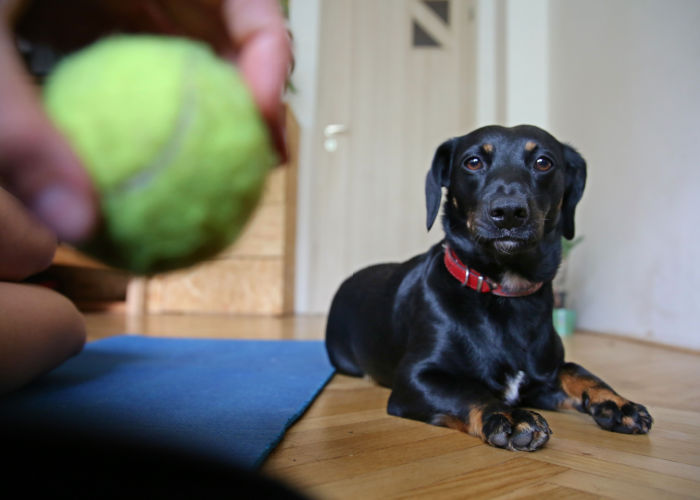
396	78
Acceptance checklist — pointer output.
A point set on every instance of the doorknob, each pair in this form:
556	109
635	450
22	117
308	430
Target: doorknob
334	129
329	133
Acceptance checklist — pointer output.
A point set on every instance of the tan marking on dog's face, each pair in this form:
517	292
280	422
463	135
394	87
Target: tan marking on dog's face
455	203
530	146
488	148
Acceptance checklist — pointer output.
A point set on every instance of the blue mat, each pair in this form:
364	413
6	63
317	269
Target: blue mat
225	400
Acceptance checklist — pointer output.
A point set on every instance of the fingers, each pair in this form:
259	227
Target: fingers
36	164
263	54
26	246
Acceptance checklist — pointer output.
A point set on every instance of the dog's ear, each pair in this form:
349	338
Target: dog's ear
438	177
575	178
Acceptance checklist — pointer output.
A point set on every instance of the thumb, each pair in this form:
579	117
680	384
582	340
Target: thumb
36	163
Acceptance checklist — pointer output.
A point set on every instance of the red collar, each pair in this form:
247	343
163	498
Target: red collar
477	281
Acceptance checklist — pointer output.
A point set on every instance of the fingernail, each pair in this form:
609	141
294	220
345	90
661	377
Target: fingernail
67	212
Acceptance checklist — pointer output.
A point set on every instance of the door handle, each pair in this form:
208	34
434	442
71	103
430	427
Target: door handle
334	129
330	132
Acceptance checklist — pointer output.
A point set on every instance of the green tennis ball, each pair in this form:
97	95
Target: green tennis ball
173	142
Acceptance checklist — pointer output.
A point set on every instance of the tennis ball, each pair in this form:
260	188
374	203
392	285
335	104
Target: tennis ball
173	142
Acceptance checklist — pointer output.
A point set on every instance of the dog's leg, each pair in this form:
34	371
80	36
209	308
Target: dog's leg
501	426
580	389
470	408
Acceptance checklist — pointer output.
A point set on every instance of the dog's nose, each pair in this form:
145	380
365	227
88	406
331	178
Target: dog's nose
508	213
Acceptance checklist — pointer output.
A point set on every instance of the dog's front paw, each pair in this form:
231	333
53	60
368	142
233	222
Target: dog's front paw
516	429
630	418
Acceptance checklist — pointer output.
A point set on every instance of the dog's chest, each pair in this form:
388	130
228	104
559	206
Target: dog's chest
511	393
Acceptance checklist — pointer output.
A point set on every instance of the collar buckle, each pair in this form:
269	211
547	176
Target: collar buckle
466	277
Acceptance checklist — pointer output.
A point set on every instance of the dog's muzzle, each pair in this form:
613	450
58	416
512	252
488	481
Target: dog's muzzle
509	224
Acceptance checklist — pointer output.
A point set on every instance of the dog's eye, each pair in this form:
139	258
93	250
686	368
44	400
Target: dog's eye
543	164
473	163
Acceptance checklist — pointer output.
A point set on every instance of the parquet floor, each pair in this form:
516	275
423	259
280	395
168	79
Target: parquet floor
347	447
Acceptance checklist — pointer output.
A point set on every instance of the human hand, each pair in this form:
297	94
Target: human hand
38	166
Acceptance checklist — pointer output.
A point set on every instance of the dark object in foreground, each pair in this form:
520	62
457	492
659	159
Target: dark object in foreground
51	462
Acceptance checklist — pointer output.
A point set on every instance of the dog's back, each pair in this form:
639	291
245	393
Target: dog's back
360	336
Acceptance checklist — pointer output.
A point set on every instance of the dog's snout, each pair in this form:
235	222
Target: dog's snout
508	213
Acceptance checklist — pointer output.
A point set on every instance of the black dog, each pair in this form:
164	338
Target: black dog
463	334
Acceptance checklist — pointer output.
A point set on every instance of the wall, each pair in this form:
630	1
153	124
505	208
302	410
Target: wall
625	90
619	80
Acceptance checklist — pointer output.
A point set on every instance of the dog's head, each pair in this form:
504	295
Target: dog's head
506	187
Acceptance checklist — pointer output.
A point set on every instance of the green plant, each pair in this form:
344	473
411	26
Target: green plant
559	284
568	245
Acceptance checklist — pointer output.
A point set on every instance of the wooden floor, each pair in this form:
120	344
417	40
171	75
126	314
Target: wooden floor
346	446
